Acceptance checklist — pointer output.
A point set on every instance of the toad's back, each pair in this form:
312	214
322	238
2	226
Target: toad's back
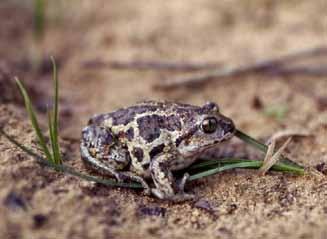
124	116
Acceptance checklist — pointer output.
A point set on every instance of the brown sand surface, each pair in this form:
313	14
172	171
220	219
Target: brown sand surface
38	203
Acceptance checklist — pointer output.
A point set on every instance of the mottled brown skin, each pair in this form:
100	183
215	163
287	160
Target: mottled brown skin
152	139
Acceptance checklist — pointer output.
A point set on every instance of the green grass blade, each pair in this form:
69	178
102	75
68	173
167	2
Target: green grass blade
51	133
35	124
55	121
246	138
256	164
250	164
262	147
107	182
223	168
212	163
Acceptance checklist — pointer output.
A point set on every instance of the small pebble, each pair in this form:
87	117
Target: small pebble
39	220
257	103
322	167
204	204
152	211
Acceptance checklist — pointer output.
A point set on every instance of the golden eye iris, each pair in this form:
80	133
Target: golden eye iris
209	125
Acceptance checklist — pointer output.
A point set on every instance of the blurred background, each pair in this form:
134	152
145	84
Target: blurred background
263	61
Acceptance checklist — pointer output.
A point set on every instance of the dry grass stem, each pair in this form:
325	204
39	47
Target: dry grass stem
151	65
272	158
287	134
271	65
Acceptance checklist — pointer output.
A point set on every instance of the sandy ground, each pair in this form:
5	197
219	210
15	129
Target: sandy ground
36	202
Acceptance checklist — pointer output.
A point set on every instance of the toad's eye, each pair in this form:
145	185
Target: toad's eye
209	125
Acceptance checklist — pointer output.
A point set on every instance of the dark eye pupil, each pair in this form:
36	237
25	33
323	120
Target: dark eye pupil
209	125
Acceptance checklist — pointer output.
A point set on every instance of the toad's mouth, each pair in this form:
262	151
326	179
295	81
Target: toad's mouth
226	137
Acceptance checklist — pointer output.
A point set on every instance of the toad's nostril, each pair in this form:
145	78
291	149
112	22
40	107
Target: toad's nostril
228	127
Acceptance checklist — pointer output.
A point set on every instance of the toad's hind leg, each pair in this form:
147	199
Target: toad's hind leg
102	152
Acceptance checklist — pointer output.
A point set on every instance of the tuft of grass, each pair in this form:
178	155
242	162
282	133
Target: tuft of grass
66	169
199	170
54	155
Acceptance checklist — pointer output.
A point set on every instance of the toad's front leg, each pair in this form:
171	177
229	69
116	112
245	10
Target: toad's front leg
166	187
